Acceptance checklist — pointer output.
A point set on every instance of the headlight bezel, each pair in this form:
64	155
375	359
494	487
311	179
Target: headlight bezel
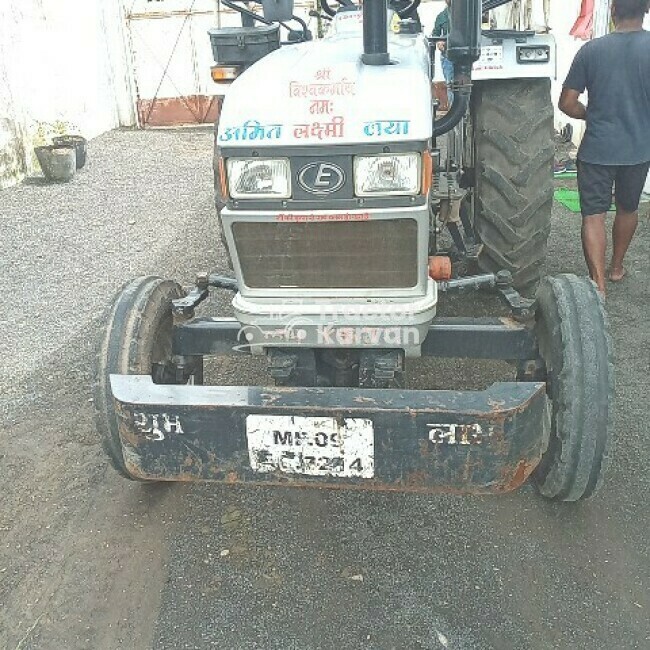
416	189
533	54
234	178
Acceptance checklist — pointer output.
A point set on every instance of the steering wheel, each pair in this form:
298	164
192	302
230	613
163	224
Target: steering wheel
405	12
325	6
408	7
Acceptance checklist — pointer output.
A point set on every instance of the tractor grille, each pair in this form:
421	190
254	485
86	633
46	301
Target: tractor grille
376	254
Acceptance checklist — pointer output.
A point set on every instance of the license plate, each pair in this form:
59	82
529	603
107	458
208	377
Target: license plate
311	446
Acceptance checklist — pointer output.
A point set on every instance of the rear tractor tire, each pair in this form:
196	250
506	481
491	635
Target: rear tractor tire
512	124
137	341
576	348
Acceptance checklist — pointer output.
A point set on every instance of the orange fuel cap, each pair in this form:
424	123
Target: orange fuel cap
440	268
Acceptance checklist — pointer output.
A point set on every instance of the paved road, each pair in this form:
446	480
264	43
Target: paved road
88	560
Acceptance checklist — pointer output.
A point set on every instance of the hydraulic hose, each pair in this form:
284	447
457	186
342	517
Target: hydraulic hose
463	49
455	115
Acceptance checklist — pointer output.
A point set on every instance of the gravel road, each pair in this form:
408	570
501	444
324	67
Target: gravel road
88	560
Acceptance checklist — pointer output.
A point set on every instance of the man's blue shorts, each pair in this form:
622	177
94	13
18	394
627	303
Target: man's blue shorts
597	182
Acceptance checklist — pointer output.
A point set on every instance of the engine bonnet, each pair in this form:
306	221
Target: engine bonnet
320	93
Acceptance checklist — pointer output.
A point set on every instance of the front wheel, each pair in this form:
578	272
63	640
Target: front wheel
137	341
576	347
219	199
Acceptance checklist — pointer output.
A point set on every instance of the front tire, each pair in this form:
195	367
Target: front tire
137	341
513	154
576	347
219	200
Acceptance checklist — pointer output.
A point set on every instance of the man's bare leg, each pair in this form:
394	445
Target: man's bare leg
594	244
623	231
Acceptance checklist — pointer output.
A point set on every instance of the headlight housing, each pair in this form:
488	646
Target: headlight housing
534	54
261	178
388	174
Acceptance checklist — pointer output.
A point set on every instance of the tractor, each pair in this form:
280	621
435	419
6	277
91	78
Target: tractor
335	175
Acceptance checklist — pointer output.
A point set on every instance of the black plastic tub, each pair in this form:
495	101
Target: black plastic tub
58	162
79	143
243	45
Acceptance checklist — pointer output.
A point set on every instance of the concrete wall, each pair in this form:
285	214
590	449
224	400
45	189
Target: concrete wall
63	68
564	14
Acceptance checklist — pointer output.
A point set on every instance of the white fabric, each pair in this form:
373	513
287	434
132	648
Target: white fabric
439	77
524	14
602	17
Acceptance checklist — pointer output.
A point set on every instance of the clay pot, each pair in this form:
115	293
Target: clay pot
58	163
78	142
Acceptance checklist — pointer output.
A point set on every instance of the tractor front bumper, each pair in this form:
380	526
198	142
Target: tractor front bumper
432	441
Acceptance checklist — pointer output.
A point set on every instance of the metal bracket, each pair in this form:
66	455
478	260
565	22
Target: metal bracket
457	338
183	308
186	367
523	309
532	370
295	367
281	365
381	369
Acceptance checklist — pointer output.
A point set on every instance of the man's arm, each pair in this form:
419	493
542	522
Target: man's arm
571	105
574	86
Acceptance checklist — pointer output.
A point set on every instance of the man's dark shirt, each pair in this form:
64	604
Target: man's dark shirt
615	70
442	24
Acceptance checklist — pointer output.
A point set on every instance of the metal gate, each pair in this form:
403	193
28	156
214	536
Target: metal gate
172	57
171	60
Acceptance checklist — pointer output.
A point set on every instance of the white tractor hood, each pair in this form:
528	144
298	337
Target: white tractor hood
320	93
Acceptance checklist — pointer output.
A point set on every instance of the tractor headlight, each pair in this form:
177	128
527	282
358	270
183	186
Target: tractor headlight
262	178
534	54
386	175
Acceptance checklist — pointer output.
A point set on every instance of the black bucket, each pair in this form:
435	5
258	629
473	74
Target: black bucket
79	143
58	162
243	45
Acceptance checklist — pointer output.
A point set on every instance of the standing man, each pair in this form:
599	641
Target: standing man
615	71
442	28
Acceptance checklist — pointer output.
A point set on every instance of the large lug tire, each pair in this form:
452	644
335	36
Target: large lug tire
576	347
513	153
137	341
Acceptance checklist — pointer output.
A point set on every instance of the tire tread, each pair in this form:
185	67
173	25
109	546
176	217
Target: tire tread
574	339
130	328
514	193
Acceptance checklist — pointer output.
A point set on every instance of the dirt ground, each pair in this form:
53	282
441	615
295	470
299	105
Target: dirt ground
89	560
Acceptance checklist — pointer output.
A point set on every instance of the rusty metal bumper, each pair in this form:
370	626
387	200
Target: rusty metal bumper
462	442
